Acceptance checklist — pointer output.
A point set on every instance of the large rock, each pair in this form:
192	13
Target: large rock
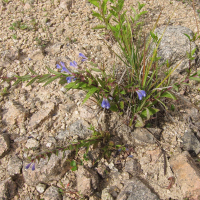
14	166
87	181
174	45
187	174
8	189
52	193
190	142
135	189
4	144
14	113
46	171
41	115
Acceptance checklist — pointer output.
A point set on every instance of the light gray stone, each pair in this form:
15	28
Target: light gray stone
135	189
87	181
41	188
4	144
32	143
52	193
14	166
106	195
8	189
47	170
132	166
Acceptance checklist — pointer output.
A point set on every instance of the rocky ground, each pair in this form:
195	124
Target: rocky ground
39	33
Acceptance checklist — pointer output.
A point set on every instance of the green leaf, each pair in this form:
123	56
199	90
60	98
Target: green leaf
52	79
168	95
122	105
151	111
63	81
33	72
73	163
74	168
140	6
94	2
70	85
187	36
194	78
123	92
17	82
52	71
32	80
96	70
95	14
113	107
193	51
100	26
90	93
44	78
172	107
139	121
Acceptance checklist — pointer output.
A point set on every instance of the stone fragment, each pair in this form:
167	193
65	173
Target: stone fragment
65	4
86	112
47	170
32	143
101	169
8	189
143	135
135	189
87	181
41	115
4	144
106	195
187	174
14	166
79	128
132	166
36	55
41	188
55	49
14	113
12	54
52	193
190	142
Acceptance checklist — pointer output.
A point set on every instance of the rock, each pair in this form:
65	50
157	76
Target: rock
190	142
174	46
14	113
8	189
14	166
52	193
143	135
87	181
132	166
55	49
86	112
66	108
174	43
187	174
46	171
12	54
65	4
105	195
36	55
41	188
4	144
79	128
63	135
41	115
32	143
135	189
101	169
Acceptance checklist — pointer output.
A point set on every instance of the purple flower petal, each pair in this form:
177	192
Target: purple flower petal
105	104
83	56
58	66
69	79
141	94
64	69
27	166
62	64
130	156
33	167
73	64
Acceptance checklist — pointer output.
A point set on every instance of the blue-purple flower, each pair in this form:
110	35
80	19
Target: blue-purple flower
33	166
105	103
83	56
141	94
73	64
69	79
